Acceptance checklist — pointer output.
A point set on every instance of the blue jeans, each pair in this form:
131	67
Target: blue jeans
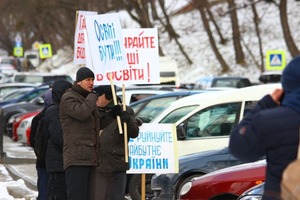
42	183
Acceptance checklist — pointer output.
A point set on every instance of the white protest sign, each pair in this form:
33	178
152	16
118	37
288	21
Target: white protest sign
79	38
105	40
154	150
141	49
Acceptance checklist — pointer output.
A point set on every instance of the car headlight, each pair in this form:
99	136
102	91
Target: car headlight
23	124
185	188
251	197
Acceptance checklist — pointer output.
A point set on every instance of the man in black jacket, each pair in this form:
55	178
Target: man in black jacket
54	153
271	129
111	172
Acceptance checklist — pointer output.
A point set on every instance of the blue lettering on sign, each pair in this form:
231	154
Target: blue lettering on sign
149	163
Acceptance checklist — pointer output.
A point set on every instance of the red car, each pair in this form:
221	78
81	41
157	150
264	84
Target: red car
226	184
17	121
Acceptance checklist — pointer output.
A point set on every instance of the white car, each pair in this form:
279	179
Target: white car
23	130
204	121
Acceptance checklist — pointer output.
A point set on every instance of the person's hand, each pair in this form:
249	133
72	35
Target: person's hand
125	117
277	95
115	111
139	121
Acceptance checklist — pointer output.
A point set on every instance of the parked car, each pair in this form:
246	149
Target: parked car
270	77
17	120
23	130
37	91
227	184
204	121
216	81
150	107
39	78
254	193
136	93
6	88
167	186
7	111
15	94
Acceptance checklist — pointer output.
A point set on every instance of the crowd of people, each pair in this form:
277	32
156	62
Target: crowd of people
85	153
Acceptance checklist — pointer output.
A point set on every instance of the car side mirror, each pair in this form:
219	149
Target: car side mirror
39	101
181	135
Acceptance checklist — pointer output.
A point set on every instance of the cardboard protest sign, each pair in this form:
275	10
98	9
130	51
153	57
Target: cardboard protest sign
154	150
105	40
141	50
79	38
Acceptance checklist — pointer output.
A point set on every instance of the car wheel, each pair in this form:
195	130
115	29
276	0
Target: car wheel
135	187
184	181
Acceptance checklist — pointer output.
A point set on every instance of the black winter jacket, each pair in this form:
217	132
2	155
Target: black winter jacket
111	148
272	131
53	130
40	163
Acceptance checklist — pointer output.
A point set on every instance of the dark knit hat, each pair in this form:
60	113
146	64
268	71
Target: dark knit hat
83	73
290	78
104	89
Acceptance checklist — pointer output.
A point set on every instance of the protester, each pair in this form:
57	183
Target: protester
54	152
42	175
80	123
271	129
111	172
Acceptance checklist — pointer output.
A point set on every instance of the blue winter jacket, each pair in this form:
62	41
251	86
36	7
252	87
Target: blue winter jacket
272	131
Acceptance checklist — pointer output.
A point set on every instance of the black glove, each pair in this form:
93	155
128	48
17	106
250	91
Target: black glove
115	111
125	117
96	93
139	121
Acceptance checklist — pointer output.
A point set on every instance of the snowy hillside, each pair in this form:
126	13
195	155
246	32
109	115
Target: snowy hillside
195	41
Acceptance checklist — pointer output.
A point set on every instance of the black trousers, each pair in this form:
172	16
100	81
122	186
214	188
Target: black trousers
110	186
79	182
57	189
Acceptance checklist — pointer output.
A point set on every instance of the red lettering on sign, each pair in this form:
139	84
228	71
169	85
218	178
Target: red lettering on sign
80	52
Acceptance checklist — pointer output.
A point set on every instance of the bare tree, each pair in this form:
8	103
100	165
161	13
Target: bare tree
256	23
236	36
201	5
294	51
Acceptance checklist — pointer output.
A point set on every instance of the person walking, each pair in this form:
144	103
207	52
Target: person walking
80	124
111	172
42	175
54	152
271	129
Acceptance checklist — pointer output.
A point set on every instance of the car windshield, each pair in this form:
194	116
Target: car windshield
177	114
33	94
153	108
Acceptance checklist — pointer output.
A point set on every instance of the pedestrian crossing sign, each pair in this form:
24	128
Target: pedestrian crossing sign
45	51
275	60
18	51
